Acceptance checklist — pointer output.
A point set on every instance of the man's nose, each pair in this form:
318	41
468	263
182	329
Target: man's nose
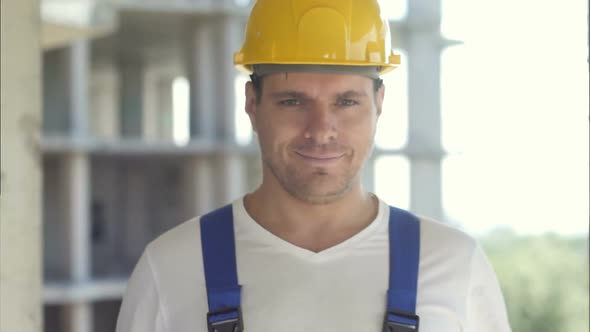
321	124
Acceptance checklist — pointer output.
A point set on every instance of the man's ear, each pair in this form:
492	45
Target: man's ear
380	94
251	103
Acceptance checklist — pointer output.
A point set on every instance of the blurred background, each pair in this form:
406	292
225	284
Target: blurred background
485	127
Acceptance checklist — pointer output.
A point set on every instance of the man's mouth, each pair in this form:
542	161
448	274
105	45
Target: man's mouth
320	158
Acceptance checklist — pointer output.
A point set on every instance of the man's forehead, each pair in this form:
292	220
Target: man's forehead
311	84
302	79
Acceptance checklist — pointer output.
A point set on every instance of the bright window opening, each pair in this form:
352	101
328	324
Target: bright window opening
394	9
392	128
243	128
515	116
392	180
180	110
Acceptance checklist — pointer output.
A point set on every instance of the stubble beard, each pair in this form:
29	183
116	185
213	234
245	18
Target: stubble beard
303	185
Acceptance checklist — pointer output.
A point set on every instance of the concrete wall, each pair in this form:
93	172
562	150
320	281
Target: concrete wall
20	200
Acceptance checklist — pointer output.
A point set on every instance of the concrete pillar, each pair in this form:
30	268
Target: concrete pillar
20	198
199	190
76	175
79	86
157	109
131	109
104	102
56	107
165	113
231	182
78	316
213	102
230	34
201	76
231	164
424	141
150	105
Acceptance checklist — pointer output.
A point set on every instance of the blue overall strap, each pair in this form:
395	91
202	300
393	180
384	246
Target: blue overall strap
221	276
404	258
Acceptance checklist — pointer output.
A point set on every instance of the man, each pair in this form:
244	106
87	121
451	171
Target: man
310	250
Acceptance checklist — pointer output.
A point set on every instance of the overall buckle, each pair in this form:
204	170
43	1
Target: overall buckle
225	320
400	322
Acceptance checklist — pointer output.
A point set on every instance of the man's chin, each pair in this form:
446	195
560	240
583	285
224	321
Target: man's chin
321	198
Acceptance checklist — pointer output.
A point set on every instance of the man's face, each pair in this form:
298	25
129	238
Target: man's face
315	131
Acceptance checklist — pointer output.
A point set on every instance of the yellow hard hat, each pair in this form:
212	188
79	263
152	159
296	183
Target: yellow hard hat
317	32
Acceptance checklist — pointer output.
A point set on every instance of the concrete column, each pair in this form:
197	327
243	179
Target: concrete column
76	167
201	75
20	186
131	109
79	86
77	177
150	105
231	177
165	113
230	34
55	87
424	142
78	318
213	105
213	182
231	165
157	109
199	191
104	103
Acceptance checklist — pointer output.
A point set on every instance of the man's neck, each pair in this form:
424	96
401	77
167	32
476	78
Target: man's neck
312	226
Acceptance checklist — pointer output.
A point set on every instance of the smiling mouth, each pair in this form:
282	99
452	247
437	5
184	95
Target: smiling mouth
320	158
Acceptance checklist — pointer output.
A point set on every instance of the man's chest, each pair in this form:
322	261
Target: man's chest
341	293
285	292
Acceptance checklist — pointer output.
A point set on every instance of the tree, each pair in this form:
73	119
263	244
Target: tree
544	279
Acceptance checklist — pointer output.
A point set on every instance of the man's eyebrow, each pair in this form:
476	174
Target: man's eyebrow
288	94
301	95
351	94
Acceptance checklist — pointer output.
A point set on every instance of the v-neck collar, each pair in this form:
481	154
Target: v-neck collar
246	225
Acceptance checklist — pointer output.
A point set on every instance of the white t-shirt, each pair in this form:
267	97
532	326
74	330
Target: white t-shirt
289	289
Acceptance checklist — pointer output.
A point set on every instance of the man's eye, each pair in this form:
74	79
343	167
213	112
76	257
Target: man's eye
289	102
346	102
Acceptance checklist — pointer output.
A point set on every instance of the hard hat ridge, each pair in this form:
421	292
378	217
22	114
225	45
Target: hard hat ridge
266	69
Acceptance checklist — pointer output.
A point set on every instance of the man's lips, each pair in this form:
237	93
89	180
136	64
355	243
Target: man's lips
320	158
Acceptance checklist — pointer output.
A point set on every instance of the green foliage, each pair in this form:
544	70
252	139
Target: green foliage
544	279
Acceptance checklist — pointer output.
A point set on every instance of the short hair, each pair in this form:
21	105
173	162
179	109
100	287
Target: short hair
257	84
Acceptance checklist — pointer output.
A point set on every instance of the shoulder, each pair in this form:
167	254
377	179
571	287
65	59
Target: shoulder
177	253
175	259
179	249
441	237
160	276
446	260
177	267
181	243
444	249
